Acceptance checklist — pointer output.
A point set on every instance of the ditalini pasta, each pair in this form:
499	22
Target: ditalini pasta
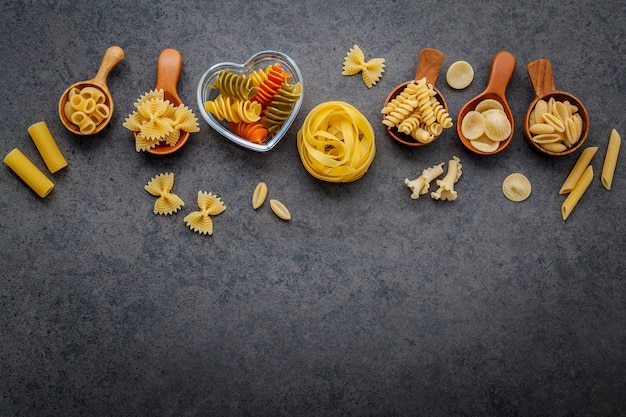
29	173
577	192
47	146
578	169
610	160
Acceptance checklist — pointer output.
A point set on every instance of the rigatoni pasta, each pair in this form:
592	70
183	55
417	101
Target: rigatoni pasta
610	160
29	173
47	146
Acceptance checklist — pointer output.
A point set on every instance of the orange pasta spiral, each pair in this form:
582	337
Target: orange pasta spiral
270	86
255	132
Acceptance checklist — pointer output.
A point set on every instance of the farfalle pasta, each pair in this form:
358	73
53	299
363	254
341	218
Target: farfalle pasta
156	120
371	70
200	221
416	112
264	112
161	186
336	142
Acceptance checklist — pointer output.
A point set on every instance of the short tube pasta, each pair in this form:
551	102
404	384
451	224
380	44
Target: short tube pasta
29	173
610	160
578	169
578	191
47	146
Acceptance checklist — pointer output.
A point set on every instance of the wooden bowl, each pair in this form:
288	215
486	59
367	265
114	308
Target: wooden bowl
428	66
502	67
541	77
112	57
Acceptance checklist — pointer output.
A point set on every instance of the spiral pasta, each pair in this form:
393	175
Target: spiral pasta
276	76
235	85
336	142
279	109
255	132
225	107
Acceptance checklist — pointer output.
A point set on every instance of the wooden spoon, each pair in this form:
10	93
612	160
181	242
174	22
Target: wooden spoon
502	67
169	65
112	57
428	66
540	73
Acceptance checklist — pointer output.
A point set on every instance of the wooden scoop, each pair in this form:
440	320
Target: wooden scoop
502	67
112	57
169	65
540	73
428	66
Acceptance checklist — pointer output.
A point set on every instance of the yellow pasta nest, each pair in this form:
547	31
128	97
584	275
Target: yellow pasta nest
156	120
336	142
371	71
160	186
554	125
200	221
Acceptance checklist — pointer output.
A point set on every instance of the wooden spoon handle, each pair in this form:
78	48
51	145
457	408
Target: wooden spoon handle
428	65
500	74
540	74
169	66
112	56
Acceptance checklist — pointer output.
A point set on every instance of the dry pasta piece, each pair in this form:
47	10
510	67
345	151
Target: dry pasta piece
577	192
280	210
167	202
336	142
86	108
473	125
484	144
486	126
610	160
421	184
29	173
47	146
371	71
516	187
200	221
558	119
446	189
276	76
236	85
225	107
577	171
281	106
258	195
255	132
460	74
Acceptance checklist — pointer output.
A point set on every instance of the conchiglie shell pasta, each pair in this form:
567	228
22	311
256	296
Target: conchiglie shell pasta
497	126
473	125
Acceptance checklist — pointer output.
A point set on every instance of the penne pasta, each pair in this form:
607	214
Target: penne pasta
576	193
578	169
610	160
47	146
28	172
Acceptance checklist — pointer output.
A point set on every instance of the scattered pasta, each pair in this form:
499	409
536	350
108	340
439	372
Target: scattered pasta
156	121
200	221
554	125
460	74
577	171
280	210
577	192
29	173
416	112
258	195
371	71
445	191
255	106
47	146
610	160
167	202
336	142
516	187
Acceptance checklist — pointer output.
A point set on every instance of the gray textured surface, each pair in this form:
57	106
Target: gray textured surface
367	302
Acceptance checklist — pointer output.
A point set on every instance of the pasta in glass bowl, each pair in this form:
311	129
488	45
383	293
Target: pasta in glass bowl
252	104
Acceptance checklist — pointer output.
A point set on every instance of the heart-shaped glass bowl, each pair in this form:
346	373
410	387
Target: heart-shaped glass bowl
260	60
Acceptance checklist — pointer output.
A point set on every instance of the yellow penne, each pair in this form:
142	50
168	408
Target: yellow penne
578	191
578	169
47	146
610	160
29	173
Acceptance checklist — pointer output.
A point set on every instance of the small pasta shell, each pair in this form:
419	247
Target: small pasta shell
541	128
473	125
484	144
259	195
280	210
497	126
516	187
489	104
554	147
540	109
572	134
554	121
547	138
